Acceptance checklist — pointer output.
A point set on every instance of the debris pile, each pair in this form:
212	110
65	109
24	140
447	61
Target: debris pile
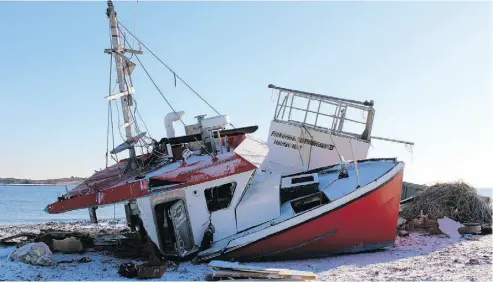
457	201
142	271
122	244
423	224
222	270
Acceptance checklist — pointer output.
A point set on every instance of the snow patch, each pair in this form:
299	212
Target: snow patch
449	227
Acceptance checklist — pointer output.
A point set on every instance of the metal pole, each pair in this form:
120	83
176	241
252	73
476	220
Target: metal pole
369	123
320	96
318	111
277	105
392	140
355	163
118	48
291	106
307	109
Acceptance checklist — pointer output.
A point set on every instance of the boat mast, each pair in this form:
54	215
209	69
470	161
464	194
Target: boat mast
125	93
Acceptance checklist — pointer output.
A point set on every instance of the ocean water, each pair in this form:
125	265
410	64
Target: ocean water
25	204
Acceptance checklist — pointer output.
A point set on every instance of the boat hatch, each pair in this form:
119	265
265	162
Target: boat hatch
294	187
308	202
174	228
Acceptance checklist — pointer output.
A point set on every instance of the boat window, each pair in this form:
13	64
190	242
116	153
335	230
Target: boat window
219	197
302	179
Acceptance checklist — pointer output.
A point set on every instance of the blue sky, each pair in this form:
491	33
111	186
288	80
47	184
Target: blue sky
427	65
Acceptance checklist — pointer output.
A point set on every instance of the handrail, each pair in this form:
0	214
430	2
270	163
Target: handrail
338	116
322	97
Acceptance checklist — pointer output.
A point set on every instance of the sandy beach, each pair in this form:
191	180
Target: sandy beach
417	257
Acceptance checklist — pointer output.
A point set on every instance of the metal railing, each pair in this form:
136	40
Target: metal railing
286	104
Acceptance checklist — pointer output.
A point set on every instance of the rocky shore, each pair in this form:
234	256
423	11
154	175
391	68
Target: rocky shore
416	257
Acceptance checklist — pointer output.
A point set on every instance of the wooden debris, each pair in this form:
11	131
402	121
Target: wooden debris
81	260
147	270
8	240
232	270
423	224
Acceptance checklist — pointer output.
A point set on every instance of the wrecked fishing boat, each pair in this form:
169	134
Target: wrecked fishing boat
218	193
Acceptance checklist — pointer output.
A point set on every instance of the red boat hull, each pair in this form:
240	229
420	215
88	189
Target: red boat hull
366	223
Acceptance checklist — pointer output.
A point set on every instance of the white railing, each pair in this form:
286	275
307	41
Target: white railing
337	115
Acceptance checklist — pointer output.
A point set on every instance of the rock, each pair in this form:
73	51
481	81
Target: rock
33	253
485	229
473	261
401	221
402	233
434	230
462	230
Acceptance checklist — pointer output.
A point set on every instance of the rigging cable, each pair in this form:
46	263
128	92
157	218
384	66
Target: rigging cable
109	112
119	122
172	71
166	100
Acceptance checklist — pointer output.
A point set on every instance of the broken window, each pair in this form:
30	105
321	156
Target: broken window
219	197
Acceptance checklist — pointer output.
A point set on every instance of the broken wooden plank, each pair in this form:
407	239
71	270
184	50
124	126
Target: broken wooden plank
242	274
256	275
237	266
283	273
28	235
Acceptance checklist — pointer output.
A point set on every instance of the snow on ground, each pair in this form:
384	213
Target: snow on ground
417	257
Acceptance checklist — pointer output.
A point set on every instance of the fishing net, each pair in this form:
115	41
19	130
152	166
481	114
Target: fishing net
456	200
